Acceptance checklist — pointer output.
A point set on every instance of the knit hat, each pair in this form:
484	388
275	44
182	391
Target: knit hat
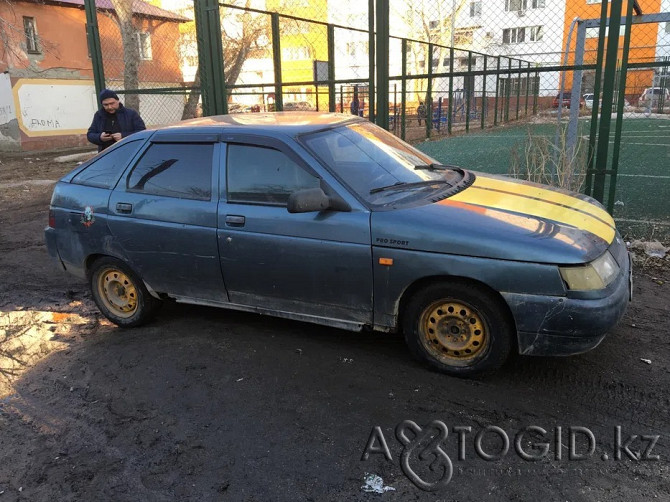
107	93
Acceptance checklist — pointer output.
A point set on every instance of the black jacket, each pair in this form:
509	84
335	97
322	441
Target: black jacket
129	121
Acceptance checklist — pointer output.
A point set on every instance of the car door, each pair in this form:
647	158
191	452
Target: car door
163	214
316	264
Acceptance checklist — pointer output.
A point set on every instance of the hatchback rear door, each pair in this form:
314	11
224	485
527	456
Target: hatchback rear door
163	216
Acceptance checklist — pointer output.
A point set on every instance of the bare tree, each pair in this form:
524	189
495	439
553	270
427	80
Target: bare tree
123	15
431	22
244	34
12	38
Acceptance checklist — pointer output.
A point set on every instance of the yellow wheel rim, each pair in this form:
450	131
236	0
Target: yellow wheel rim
454	332
118	293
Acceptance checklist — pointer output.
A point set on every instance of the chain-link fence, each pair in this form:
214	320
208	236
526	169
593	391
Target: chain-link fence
538	81
149	58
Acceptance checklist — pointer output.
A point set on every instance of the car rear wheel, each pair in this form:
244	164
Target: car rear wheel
120	294
458	328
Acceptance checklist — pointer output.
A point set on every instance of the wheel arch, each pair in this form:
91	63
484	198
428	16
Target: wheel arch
92	258
425	282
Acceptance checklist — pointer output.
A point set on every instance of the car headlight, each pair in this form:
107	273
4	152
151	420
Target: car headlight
595	275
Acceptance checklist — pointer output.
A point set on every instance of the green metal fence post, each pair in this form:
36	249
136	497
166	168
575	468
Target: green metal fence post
508	89
429	92
484	106
536	91
276	60
93	38
331	68
210	57
371	61
620	108
467	96
518	91
596	100
495	107
450	105
527	88
403	88
608	95
382	44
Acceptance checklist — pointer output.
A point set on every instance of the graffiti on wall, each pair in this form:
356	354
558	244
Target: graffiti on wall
54	107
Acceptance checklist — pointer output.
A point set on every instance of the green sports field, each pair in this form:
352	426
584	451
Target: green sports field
642	207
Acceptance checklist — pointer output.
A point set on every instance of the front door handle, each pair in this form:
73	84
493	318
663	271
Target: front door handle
234	220
124	208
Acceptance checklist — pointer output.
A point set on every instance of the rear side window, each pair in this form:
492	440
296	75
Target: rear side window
265	175
103	172
180	170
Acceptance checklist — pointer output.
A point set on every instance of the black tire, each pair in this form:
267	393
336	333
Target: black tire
120	294
458	328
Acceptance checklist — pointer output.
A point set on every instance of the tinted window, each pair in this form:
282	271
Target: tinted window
258	174
180	170
105	170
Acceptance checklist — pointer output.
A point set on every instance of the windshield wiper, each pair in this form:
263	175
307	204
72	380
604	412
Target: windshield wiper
437	167
401	185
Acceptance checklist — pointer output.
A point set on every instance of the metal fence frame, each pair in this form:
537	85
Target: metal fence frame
378	83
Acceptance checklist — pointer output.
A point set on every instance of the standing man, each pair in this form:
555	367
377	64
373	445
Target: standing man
113	122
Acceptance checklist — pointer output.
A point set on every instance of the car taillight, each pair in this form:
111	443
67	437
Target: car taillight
52	218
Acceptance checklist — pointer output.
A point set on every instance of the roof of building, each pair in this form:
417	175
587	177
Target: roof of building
140	8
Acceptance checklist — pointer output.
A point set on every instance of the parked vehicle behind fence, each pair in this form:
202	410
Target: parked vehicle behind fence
654	97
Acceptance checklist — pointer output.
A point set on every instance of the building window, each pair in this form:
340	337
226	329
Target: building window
144	43
667	27
521	85
31	35
535	33
475	9
537	4
446	62
515	5
514	35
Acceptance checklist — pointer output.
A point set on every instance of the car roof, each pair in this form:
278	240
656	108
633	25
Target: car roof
290	123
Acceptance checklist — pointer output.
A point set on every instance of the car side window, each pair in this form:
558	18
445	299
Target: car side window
181	170
103	172
266	175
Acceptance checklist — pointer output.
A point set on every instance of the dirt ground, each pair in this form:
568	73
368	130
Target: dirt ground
205	404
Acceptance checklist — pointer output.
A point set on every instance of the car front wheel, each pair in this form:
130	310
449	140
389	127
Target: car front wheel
458	328
120	294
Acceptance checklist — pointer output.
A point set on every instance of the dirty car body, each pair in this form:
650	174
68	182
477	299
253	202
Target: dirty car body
327	218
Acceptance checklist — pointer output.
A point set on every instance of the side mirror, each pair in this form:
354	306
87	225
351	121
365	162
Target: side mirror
307	201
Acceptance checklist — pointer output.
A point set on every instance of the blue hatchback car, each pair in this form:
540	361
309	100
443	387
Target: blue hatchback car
327	218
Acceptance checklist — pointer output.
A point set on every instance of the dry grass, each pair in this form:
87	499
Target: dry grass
550	160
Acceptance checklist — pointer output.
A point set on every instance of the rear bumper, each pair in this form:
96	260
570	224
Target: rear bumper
559	326
52	247
51	239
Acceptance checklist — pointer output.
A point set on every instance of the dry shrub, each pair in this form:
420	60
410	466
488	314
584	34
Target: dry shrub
550	160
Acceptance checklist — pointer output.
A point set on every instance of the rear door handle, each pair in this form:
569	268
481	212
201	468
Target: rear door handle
234	220
124	208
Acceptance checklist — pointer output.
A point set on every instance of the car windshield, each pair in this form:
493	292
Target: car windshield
380	168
